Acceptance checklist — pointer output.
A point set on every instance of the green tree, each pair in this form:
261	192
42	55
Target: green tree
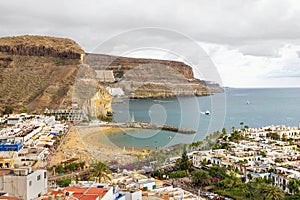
231	181
235	136
249	176
217	172
184	163
178	174
8	110
274	136
224	132
204	162
201	178
293	197
225	145
250	191
270	192
293	186
101	171
64	182
59	169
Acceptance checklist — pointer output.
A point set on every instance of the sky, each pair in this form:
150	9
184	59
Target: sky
250	43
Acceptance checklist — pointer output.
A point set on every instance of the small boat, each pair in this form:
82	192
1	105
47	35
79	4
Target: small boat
247	102
205	113
170	137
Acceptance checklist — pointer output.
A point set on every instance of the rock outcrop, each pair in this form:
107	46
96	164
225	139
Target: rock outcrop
120	65
41	46
151	78
91	96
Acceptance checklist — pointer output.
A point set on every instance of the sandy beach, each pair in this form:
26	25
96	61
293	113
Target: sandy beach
90	144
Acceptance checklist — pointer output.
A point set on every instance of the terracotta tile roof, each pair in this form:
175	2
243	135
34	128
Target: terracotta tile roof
80	193
76	195
57	192
8	198
98	191
89	197
75	189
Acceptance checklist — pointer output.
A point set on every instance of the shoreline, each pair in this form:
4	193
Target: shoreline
89	144
97	136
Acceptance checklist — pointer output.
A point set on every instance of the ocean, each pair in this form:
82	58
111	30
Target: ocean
253	107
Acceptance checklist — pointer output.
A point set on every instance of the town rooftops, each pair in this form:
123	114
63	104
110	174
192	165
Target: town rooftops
82	193
8	198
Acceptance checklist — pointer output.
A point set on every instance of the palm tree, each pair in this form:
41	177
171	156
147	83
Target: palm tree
270	192
201	178
250	190
231	181
101	171
275	193
293	186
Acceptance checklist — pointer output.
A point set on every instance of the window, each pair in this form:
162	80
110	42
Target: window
30	183
45	174
38	177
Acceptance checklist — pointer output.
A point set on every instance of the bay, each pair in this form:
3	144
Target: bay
254	107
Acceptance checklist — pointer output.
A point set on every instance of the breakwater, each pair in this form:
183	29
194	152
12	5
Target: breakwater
147	125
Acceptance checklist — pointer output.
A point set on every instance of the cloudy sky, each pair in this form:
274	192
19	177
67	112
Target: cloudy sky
251	43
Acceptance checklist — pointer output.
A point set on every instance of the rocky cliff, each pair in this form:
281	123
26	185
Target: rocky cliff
151	78
41	46
38	72
120	65
91	96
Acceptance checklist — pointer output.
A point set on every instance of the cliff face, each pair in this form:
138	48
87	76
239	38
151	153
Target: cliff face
38	72
98	105
151	78
91	96
120	65
41	46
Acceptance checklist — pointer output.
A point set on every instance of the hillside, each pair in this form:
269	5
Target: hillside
38	72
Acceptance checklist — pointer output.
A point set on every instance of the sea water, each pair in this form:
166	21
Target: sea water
253	107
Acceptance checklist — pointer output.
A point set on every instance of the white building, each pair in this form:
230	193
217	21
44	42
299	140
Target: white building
115	91
133	195
24	183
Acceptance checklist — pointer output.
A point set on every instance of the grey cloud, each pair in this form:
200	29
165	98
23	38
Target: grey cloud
289	71
265	48
239	23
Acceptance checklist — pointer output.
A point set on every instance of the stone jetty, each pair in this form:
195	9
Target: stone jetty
147	125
